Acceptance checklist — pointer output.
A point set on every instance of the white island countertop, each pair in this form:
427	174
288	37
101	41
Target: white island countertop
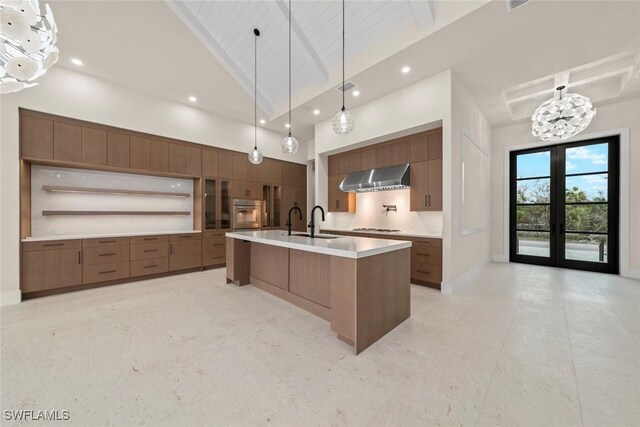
342	246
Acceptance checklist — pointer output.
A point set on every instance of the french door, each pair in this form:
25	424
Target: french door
564	205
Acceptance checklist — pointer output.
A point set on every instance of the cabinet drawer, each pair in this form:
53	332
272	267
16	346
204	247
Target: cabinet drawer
186	236
149	239
214	258
107	241
426	272
105	255
50	245
213	245
427	242
144	267
105	272
426	255
149	250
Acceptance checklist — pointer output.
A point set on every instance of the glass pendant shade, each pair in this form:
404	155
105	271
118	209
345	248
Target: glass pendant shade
255	156
289	145
562	117
343	122
27	44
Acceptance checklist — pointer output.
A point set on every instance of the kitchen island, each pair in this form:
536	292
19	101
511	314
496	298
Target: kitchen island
360	285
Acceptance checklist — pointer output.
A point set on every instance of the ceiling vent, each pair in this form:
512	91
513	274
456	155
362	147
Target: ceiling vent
348	86
514	4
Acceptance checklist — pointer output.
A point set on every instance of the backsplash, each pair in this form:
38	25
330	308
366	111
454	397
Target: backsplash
370	213
42	226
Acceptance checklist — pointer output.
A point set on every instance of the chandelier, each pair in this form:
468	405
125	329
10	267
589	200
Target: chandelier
562	117
27	44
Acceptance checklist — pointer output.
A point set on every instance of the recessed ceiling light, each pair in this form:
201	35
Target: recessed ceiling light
316	112
76	61
287	125
406	69
193	98
262	121
356	93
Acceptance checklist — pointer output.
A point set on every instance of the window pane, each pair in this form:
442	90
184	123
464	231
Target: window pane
591	218
587	188
533	244
533	217
587	158
534	164
534	191
586	247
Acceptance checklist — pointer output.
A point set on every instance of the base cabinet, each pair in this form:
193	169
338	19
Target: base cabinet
185	252
51	269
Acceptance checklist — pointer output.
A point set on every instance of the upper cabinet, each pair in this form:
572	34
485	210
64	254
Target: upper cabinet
185	159
118	148
210	162
240	166
294	174
158	155
272	171
368	159
139	153
94	146
67	142
36	137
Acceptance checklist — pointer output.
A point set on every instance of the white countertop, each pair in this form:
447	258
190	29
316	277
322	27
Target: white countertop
342	246
102	236
382	233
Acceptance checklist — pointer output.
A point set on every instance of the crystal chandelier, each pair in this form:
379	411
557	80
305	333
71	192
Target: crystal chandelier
27	43
289	143
562	116
255	155
343	121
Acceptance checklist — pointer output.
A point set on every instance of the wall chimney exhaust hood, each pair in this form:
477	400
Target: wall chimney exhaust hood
379	179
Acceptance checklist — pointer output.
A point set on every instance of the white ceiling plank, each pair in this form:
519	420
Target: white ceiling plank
423	13
246	82
281	13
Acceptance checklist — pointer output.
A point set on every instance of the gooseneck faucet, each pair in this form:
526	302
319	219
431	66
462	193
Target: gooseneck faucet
312	224
295	208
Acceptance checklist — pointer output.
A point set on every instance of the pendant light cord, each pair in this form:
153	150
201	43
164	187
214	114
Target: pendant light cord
343	108
255	91
290	124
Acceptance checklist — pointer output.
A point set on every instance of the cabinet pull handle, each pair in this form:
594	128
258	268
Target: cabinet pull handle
338	204
150	238
52	244
80	257
106	241
425	201
109	254
107	272
186	237
218	244
218	257
423	254
423	272
429	200
150	266
171	249
151	250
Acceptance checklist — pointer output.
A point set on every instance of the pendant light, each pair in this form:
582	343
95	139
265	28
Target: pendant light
255	155
289	143
562	117
343	121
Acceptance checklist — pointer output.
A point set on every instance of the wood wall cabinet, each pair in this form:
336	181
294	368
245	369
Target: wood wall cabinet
36	137
210	162
139	151
272	171
294	196
245	189
194	161
254	172
340	201
240	166
185	251
368	159
67	142
384	156
177	158
294	174
343	165
158	155
94	146
426	186
225	165
52	267
118	149
355	162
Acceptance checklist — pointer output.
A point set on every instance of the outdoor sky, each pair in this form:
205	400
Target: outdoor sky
591	158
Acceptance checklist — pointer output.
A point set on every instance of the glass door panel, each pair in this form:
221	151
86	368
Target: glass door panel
225	204
277	206
210	205
266	205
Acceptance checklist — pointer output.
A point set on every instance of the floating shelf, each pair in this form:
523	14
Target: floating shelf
70	213
88	190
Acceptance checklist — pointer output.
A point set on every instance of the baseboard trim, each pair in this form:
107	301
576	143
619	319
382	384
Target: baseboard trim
449	288
500	258
631	273
10	297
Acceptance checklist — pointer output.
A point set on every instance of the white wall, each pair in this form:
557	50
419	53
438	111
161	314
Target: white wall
68	93
623	115
469	253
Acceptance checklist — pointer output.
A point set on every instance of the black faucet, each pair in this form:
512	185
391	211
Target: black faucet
295	208
312	225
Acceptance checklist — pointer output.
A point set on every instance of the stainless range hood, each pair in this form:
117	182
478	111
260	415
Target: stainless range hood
379	179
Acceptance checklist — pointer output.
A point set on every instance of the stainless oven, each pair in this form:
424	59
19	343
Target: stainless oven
246	214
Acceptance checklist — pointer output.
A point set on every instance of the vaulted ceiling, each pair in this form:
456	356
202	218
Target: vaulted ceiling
226	29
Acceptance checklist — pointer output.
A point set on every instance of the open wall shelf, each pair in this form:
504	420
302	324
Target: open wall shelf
78	213
87	190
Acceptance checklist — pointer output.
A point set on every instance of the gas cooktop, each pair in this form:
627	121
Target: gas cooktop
377	230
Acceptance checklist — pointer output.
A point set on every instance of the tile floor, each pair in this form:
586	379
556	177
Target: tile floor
521	345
